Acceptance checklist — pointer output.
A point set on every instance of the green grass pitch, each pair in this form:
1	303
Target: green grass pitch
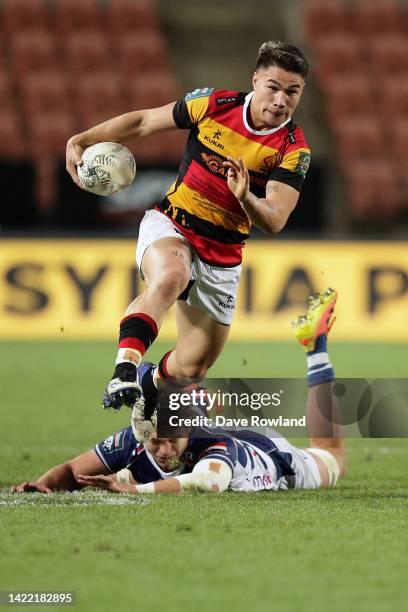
340	549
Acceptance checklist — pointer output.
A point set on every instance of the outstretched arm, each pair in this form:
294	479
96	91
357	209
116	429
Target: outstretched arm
269	214
208	475
136	124
64	477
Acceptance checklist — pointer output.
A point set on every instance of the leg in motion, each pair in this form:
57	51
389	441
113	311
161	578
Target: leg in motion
200	342
166	269
322	410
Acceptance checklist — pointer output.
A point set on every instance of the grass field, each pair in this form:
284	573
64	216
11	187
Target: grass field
329	550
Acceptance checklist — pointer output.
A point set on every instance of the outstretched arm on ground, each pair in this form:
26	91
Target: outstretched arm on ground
64	477
208	475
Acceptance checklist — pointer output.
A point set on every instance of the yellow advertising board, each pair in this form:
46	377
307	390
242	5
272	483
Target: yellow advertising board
79	289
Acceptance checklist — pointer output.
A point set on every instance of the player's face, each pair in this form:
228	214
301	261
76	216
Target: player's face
276	95
166	451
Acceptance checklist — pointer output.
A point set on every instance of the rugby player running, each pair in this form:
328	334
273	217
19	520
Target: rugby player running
211	459
244	163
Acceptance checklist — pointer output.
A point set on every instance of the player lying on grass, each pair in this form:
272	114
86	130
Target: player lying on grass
244	163
215	460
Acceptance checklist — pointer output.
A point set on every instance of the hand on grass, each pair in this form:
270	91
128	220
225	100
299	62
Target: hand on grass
109	483
30	487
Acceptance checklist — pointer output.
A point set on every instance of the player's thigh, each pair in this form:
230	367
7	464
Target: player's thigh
166	257
200	338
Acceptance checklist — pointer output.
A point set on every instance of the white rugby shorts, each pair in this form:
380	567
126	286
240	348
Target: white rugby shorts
213	289
307	470
307	475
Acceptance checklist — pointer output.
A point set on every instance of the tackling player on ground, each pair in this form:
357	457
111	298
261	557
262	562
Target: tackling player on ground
215	460
244	163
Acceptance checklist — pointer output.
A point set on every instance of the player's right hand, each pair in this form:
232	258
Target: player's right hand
121	393
73	159
237	177
30	487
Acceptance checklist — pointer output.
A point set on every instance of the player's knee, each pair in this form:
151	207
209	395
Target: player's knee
195	370
168	285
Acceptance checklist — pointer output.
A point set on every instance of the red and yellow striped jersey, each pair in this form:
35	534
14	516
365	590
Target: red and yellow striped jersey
199	202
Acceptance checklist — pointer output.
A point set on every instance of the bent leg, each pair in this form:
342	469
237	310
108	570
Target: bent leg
166	268
322	409
323	418
200	342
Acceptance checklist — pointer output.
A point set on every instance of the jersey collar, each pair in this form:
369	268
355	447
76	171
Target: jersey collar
245	110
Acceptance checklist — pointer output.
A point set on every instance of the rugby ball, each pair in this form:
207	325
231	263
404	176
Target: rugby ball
107	168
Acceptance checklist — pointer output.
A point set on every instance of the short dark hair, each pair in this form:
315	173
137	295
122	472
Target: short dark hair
285	56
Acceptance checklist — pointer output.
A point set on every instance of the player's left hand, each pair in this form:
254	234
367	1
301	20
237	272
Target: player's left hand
30	487
237	178
109	483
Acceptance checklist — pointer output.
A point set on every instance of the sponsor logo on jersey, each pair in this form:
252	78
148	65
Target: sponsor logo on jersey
225	100
303	163
199	93
107	444
114	442
264	481
215	138
292	138
214	163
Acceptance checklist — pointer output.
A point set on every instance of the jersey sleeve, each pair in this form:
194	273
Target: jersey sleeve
188	111
222	449
116	450
295	163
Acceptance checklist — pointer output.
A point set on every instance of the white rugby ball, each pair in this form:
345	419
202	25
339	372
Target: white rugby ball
108	167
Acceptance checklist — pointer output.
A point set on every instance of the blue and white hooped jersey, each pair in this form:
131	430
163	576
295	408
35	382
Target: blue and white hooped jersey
121	450
257	462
